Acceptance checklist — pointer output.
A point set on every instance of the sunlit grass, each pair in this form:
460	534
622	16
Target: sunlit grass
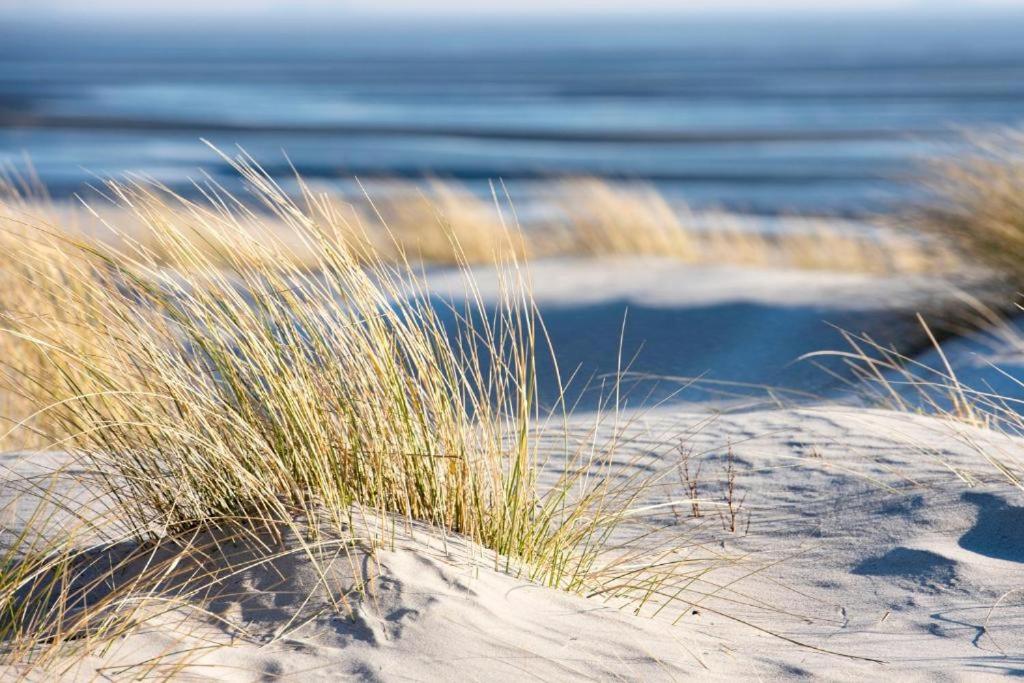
884	377
442	222
976	201
208	385
605	219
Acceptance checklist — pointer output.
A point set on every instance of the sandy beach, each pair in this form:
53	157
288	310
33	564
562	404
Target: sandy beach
867	542
557	341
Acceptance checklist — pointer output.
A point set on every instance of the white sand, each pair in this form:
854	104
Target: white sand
874	535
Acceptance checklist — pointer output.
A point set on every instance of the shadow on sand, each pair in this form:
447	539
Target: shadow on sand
738	350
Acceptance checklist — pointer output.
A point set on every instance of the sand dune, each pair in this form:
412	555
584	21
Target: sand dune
863	543
860	554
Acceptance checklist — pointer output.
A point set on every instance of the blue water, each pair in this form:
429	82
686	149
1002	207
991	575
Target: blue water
761	115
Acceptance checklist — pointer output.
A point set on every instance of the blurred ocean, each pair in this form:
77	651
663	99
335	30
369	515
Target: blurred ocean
812	115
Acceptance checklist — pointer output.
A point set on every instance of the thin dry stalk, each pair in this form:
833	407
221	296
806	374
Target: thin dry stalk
733	505
886	378
690	480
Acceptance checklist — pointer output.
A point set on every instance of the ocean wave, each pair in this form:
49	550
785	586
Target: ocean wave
16	119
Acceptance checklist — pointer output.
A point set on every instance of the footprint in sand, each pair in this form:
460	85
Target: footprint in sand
921	568
998	531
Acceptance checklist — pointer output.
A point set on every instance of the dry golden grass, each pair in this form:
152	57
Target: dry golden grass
602	219
445	223
213	324
977	201
886	378
29	298
975	205
210	385
821	246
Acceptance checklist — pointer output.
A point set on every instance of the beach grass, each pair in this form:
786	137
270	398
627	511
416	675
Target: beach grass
442	222
975	201
883	377
599	218
211	385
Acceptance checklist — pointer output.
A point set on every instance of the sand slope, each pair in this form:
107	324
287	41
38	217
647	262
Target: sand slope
868	544
860	537
887	552
429	617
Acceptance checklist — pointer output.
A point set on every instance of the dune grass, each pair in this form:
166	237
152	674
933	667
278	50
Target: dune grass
604	219
913	384
216	383
209	385
975	200
446	223
274	373
442	222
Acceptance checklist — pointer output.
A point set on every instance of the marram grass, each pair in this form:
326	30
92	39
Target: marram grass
443	222
975	201
208	383
220	379
882	377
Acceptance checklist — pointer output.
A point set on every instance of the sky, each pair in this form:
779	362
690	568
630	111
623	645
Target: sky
256	8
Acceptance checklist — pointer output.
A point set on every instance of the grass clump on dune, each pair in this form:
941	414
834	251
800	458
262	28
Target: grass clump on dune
931	383
221	379
591	217
446	223
976	201
604	219
211	385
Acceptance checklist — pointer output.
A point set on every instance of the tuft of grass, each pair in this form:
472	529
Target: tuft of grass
222	381
446	223
602	219
896	381
213	386
976	201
